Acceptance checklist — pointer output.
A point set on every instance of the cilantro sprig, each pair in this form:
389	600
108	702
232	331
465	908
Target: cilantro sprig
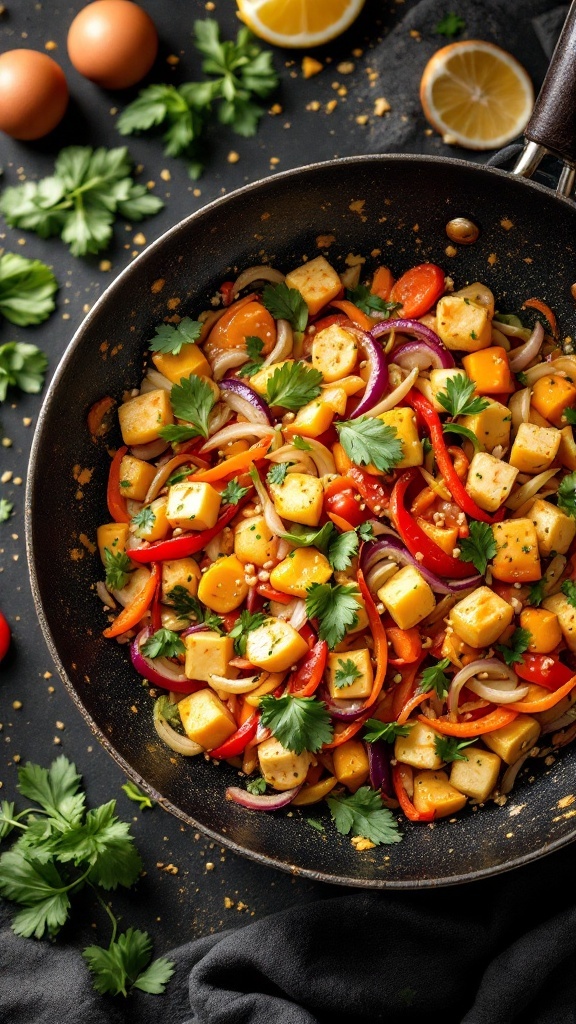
233	492
434	678
300	723
362	814
515	646
27	289
254	346
347	673
449	748
286	303
369	303
192	401
118	568
169	338
277	473
339	548
336	608
450	25
387	731
568	588
164	643
480	547
367	440
458	400
293	385
566	494
537	592
21	366
246	622
186	606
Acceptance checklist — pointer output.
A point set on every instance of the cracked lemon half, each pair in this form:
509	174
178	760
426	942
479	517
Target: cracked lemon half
476	95
298	23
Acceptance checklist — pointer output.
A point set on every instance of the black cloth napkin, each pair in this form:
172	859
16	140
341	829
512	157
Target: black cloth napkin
493	952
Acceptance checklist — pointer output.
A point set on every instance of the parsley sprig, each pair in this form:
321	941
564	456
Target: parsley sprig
170	338
566	494
300	723
118	569
186	606
335	607
515	646
164	643
387	731
458	400
293	385
286	303
347	673
367	440
434	678
480	547
21	366
449	748
362	814
192	401
339	548
246	622
254	348
233	492
369	303
27	289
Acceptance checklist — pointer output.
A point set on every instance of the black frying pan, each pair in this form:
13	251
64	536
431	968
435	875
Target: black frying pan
279	220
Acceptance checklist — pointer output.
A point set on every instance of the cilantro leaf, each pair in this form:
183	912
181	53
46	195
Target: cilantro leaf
244	625
170	338
342	548
277	473
134	793
240	70
365	531
299	723
39	888
537	592
369	303
479	547
7	811
6	510
254	348
458	400
569	416
183	111
27	289
362	814
126	965
233	492
55	789
457	428
188	607
164	643
311	536
164	708
293	385
387	731
335	607
433	678
315	824
514	648
21	366
450	25
347	674
192	401
301	444
118	569
568	588
367	440
104	843
449	748
286	303
566	493
256	786
144	518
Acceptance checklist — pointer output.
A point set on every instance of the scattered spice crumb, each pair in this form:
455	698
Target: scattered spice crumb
228	903
313	105
325	241
139	239
275	109
50	45
26	420
346	67
165	175
105	265
506	223
381	106
16	704
209	865
6	476
451	250
360	843
362	119
492	259
6	442
233	157
172	59
311	67
331	106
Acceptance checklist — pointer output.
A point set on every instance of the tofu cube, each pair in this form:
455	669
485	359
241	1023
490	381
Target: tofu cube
303	567
179	572
463	325
189	362
282	768
544	629
489	481
566	613
491	426
480	294
259	381
155	526
534	448
434	792
555	530
477	776
407	597
338	663
254	541
403	420
517	559
445	537
351	765
312	419
207	654
135	477
437	385
551	395
513	740
317	282
205	719
112	536
334	352
193	506
299	498
142	417
275	646
418	748
481	617
223	586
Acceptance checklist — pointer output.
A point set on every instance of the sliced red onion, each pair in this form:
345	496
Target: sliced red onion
429	354
520	357
243	399
379	762
492	666
395	550
261	802
424	334
342	710
200	627
378	371
160	671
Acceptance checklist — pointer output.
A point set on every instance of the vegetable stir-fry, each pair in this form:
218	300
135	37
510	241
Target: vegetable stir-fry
341	534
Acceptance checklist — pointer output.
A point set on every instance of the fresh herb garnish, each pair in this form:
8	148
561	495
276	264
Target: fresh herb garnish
170	338
450	25
192	401
514	648
434	678
254	348
81	199
187	606
365	531
569	415
277	473
339	548
300	723
566	493
458	400
522	378
21	366
134	793
362	814
301	444
164	708
233	492
369	303
244	625
568	588
315	824
164	643
537	592
347	674
27	289
367	440
6	510
342	549
457	428
479	547
335	607
293	385
256	786
125	965
449	748
118	569
286	303
387	731
144	518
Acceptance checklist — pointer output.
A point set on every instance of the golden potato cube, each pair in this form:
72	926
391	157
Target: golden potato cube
275	646
463	325
135	477
491	426
489	481
259	381
566	613
513	740
567	449
559	709
338	664
179	572
142	417
534	448
193	506
477	776
254	541
299	498
445	537
155	526
336	398
407	597
418	748
517	559
112	536
282	768
205	719
544	629
481	617
433	792
223	586
403	420
317	282
297	572
334	352
312	419
480	294
551	395
189	362
554	529
207	654
351	765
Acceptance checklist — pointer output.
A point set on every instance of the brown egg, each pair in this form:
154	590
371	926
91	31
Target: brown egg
33	94
113	43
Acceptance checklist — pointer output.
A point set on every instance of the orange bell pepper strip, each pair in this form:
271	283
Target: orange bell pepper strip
114	499
307	678
382	283
545	310
380	640
235	464
406	689
531	707
354	314
406	643
496	719
402	775
273	595
343	733
342	525
414	702
130	615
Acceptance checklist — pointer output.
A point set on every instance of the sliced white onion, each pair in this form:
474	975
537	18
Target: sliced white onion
234	685
283	549
220	415
105	595
519	405
174	740
535	372
284	343
157	381
497	694
300	462
137	582
521	357
511	331
381	572
273	520
495	670
252	274
500	339
564	364
214	547
299	615
132	506
509	777
530	489
322	457
397	395
567	718
236	432
554	575
228	359
149	451
162	475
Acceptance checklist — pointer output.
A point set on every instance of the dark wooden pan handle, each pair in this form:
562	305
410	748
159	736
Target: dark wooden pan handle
553	121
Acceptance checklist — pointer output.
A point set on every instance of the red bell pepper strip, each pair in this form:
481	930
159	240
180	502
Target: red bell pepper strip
342	735
226	290
370	489
379	638
5	636
131	615
186	543
235	464
238	741
116	502
308	634
496	719
543	670
307	678
401	774
413	536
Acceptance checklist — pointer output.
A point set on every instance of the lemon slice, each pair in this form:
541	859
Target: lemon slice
476	95
298	23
